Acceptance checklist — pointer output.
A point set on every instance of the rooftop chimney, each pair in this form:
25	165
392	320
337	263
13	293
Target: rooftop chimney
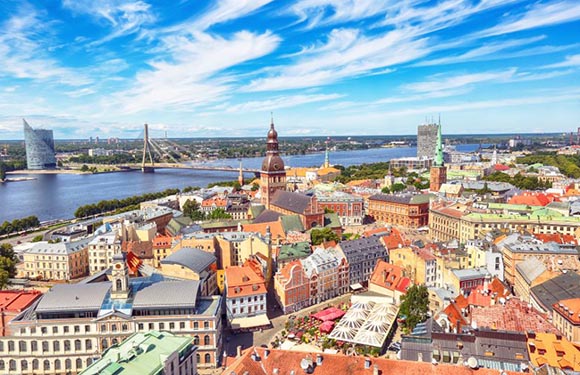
238	351
367	363
319	360
266	353
376	370
276	371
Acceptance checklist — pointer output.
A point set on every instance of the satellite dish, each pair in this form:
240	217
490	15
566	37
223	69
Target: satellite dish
472	362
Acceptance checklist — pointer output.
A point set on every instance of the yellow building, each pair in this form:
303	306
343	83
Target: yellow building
418	264
57	261
566	317
529	273
193	264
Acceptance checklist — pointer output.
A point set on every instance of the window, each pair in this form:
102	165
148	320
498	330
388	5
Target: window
88	344
65	329
77	330
181	325
55	346
66	345
57	364
207	358
34	347
124	328
161	326
67	364
12	365
206	340
46	364
114	342
45	346
195	325
10	346
114	328
2	365
24	364
35	364
171	326
87	328
54	329
140	326
206	325
43	330
79	363
196	340
104	344
197	357
103	327
78	345
22	346
151	326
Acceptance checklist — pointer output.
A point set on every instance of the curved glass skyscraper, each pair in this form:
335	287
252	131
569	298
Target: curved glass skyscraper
39	148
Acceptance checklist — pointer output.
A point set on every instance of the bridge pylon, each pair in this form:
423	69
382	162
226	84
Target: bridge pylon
147	168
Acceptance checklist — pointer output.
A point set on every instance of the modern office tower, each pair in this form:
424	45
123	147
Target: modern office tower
427	140
39	148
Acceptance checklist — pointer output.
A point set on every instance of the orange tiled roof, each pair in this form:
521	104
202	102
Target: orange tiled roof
481	297
515	315
287	269
453	312
569	309
557	237
554	350
393	240
338	364
243	281
389	276
532	199
217	201
276	229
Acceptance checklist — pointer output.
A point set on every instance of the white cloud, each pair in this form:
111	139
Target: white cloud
445	82
346	53
529	76
324	12
571	61
485	52
23	53
191	77
80	92
538	15
280	102
124	17
227	10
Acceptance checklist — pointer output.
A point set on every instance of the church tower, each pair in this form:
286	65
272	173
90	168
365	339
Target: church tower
438	175
120	277
326	156
273	174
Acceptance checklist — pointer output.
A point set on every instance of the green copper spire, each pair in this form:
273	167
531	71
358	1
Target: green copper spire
439	149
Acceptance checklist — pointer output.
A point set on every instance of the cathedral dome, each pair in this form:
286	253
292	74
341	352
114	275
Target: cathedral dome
273	163
272	134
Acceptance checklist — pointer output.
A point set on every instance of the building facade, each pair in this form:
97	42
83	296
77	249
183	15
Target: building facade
245	296
348	207
101	251
362	255
406	210
57	261
566	317
39	148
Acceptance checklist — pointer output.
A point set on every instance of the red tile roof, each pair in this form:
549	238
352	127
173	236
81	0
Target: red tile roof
532	199
13	302
557	237
338	364
243	281
394	239
501	167
389	276
455	316
490	296
569	309
515	315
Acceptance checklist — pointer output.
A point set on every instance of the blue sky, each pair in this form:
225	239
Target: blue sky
324	67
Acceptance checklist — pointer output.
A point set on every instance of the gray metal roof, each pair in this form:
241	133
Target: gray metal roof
561	287
167	294
74	297
195	259
294	202
402	198
530	269
267	216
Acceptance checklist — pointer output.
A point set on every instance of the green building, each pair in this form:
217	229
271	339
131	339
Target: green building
148	353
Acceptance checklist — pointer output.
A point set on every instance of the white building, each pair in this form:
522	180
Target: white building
101	251
245	297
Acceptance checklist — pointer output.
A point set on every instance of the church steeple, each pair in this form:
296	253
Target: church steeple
326	156
120	277
439	160
273	174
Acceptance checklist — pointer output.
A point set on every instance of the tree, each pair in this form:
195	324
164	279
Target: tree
7	264
2	171
397	187
318	236
37	238
219	214
255	187
328	210
414	306
84	168
191	209
385	190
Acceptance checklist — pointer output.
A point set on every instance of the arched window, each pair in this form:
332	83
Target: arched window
206	340
57	364
46	365
124	328
197	357
2	365
12	365
56	345
22	346
114	342
10	346
66	345
45	346
119	284
79	363
104	344
114	328
67	364
35	364
207	358
78	345
195	325
206	325
1	346
88	344
24	364
196	340
89	361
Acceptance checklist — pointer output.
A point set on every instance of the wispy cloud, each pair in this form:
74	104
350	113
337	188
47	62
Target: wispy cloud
280	102
571	61
346	53
538	15
446	82
23	54
227	10
123	17
191	78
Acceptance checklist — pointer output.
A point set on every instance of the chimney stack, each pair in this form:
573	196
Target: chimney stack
318	359
367	363
238	351
376	370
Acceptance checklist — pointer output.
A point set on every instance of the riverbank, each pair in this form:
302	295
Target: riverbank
18	179
47	171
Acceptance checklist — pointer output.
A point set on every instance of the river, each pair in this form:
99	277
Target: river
57	196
